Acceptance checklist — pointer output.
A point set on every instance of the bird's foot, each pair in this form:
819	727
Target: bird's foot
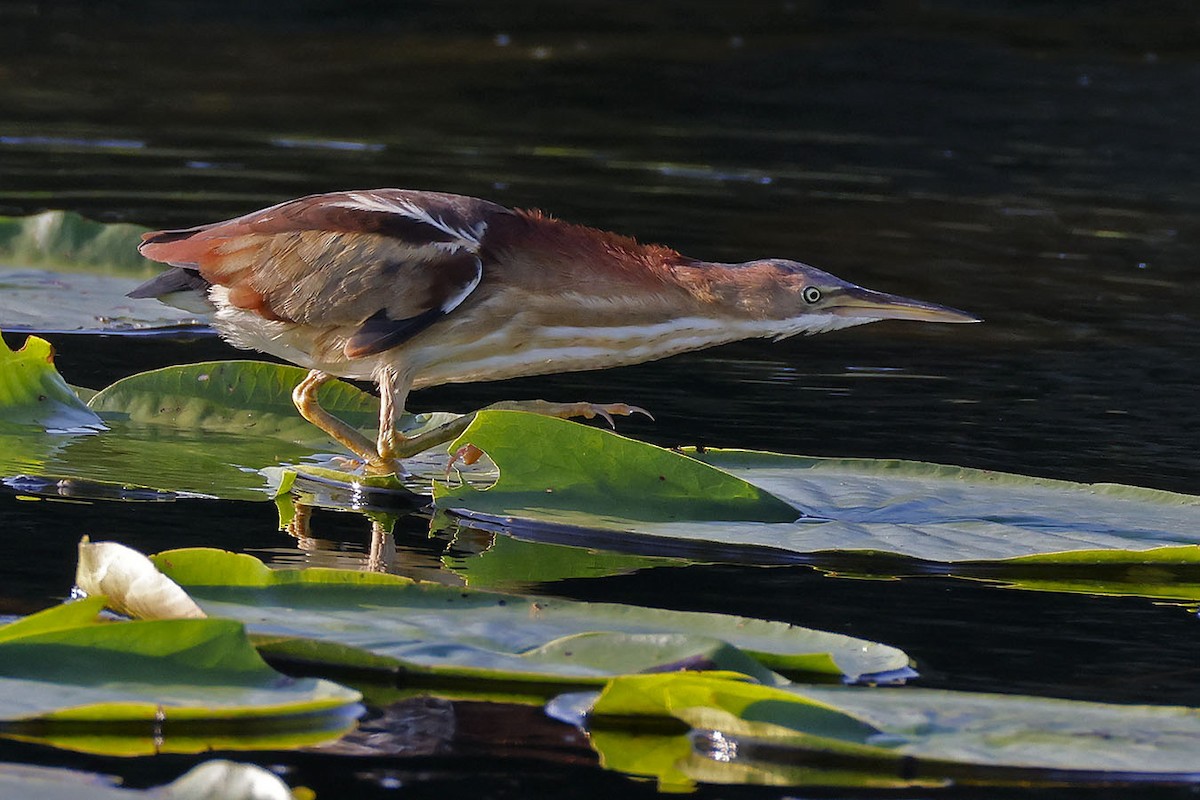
369	464
381	457
385	466
389	449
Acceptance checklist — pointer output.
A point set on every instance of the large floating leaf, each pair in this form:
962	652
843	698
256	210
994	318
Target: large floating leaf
926	513
71	680
793	734
61	272
41	300
550	466
210	428
33	393
949	514
387	622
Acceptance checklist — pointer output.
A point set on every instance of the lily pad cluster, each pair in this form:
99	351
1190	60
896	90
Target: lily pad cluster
75	679
677	696
198	648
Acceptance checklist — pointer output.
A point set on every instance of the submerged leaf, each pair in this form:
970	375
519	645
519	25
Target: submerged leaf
214	429
138	463
513	565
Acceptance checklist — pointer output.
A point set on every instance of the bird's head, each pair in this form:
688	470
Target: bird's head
817	301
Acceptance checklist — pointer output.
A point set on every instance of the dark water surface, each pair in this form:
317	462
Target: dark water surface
1037	165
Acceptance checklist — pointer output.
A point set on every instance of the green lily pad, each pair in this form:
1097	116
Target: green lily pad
386	622
249	398
142	462
80	302
33	393
552	467
50	783
68	679
927	513
64	617
66	240
218	429
136	459
731	729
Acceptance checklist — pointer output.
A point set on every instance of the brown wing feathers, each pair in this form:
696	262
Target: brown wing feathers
391	262
451	279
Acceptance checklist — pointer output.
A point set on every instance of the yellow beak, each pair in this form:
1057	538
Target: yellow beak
860	302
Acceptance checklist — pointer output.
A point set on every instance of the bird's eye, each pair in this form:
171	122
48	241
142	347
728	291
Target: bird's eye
811	294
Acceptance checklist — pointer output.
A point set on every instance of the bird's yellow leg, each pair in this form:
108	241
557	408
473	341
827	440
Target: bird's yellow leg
452	430
305	398
393	390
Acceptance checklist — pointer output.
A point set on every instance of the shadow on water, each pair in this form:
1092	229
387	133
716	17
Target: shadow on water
1036	166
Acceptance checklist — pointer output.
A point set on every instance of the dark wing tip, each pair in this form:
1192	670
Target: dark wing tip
379	332
169	282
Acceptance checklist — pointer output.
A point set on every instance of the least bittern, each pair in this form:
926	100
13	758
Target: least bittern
412	289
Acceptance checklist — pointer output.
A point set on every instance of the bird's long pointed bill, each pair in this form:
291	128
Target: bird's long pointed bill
860	302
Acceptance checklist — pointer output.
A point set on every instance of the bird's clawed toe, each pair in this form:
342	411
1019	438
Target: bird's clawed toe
626	410
606	412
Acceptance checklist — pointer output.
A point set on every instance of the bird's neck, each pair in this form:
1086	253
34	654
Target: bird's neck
615	277
585	254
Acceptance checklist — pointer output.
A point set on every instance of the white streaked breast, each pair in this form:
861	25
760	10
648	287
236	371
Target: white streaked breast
465	353
566	348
